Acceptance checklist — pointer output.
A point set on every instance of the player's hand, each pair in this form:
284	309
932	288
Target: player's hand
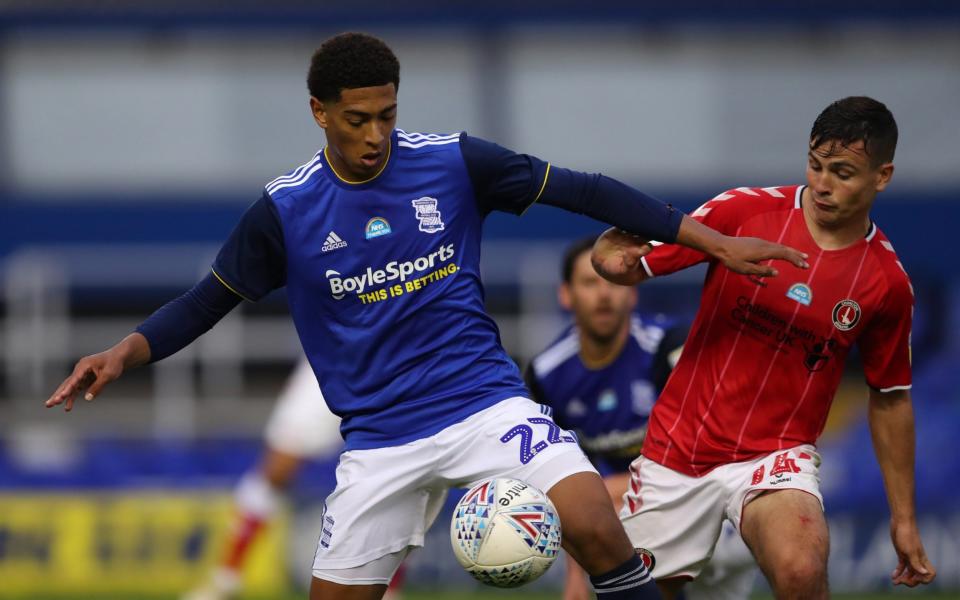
913	566
744	255
93	372
616	256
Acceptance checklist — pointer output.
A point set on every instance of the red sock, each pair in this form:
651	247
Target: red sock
245	529
397	582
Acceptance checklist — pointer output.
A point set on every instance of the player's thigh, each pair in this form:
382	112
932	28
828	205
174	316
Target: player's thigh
328	590
385	500
731	572
795	468
516	438
616	485
672	519
776	504
787	532
365	582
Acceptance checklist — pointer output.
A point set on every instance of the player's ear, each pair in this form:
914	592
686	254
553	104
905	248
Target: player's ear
884	175
563	296
319	111
633	297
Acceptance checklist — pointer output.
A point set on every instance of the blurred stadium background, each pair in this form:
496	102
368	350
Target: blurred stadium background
132	136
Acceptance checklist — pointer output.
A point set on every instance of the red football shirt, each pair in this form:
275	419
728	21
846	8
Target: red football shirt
764	356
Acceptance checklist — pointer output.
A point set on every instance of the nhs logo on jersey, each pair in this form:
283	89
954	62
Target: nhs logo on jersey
376	227
800	292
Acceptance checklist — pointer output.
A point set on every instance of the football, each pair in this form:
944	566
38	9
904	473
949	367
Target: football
505	532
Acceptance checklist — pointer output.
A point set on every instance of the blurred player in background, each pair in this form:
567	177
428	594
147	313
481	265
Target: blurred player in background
377	241
732	435
601	377
301	428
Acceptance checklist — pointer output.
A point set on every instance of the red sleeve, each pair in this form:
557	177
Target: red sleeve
885	345
724	213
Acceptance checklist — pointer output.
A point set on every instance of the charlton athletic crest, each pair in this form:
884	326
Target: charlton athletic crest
846	315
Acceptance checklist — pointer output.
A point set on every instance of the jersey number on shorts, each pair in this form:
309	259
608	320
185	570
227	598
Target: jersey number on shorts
527	448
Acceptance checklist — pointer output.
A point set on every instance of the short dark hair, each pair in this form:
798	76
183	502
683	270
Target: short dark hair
857	118
572	253
351	60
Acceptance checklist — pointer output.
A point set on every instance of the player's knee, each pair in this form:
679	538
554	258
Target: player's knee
800	577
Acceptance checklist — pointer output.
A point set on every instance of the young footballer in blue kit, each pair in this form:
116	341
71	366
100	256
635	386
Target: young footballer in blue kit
377	240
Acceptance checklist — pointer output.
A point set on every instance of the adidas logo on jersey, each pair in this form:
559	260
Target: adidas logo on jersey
333	242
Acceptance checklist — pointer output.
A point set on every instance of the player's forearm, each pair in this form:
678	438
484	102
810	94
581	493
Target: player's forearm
892	430
182	320
696	235
133	351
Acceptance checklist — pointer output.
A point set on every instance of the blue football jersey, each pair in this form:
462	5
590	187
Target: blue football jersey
607	408
383	281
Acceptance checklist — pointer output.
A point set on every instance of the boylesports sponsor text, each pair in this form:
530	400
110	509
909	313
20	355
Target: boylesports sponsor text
412	274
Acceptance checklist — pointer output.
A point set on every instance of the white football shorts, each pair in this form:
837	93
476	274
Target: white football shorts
678	518
731	572
301	424
387	498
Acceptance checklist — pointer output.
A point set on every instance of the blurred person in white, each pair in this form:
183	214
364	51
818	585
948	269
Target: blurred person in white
377	241
300	428
601	377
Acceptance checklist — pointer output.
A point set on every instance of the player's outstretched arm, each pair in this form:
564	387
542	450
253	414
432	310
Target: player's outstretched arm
891	427
617	253
93	372
505	180
739	254
171	328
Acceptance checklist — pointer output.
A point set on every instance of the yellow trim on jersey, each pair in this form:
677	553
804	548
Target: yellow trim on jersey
543	186
375	175
227	285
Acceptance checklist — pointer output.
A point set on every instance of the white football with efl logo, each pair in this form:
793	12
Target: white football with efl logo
505	532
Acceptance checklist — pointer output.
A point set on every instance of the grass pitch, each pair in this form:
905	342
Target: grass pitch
454	594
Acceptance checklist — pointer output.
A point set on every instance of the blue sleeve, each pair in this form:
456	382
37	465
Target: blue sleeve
253	260
178	322
507	181
674	337
502	179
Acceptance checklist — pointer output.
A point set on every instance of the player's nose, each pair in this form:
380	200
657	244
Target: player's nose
821	185
374	137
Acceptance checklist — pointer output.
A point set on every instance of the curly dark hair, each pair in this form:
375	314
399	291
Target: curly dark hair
857	118
351	60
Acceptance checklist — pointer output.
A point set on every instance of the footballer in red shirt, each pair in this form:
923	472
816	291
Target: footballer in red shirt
733	434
